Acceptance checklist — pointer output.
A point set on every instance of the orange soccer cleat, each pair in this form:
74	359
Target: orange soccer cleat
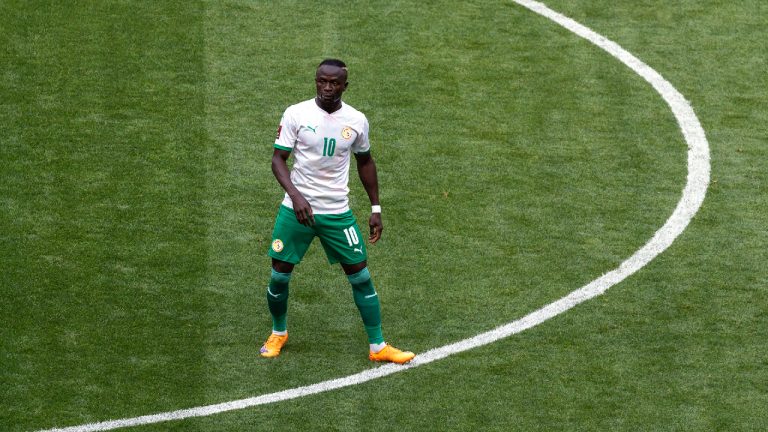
273	345
391	354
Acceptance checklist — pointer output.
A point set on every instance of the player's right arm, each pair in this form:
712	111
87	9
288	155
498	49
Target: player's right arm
287	135
283	175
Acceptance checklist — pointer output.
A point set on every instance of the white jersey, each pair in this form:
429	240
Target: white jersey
322	144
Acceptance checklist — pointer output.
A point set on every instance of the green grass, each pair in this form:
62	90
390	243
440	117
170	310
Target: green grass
517	163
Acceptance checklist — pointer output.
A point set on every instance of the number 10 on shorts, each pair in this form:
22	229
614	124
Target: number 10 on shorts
352	237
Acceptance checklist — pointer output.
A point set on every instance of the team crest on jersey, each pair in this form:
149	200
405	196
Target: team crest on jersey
346	133
277	245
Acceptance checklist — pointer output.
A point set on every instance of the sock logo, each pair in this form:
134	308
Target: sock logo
277	245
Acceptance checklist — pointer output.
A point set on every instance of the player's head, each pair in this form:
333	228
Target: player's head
330	81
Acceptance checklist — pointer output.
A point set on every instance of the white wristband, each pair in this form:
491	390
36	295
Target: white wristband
375	209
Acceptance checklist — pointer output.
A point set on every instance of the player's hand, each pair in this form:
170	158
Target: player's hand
376	227
303	210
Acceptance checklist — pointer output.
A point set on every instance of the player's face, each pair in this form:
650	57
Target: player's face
331	81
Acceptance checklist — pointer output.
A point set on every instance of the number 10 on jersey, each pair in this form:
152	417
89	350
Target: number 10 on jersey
352	237
329	146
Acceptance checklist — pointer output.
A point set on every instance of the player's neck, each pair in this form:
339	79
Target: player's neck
329	108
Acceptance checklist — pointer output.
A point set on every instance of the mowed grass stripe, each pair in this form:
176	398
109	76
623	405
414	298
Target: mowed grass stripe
103	237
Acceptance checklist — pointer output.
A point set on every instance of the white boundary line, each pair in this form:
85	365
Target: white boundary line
690	202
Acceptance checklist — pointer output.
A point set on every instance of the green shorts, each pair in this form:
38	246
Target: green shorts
339	235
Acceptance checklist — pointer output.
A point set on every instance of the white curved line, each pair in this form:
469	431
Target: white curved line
693	196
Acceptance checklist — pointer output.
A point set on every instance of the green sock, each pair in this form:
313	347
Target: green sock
367	302
277	299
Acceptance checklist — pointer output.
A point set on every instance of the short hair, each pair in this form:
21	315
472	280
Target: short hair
333	62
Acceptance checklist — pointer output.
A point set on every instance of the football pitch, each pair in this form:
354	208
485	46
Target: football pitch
517	162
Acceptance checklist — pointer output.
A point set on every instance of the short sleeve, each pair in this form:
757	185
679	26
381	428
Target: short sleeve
286	132
361	144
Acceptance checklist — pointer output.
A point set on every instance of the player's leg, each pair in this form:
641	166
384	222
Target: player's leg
277	295
290	241
277	301
367	301
342	241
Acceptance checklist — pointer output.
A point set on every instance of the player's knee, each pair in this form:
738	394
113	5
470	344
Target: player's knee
278	284
281	278
351	269
282	266
360	278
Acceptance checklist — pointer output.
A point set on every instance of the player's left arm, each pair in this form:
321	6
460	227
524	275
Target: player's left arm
366	169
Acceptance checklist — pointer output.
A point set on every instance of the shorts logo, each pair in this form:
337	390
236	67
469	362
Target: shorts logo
346	133
279	129
277	245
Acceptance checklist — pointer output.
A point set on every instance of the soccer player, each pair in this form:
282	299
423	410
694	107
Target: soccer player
322	133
